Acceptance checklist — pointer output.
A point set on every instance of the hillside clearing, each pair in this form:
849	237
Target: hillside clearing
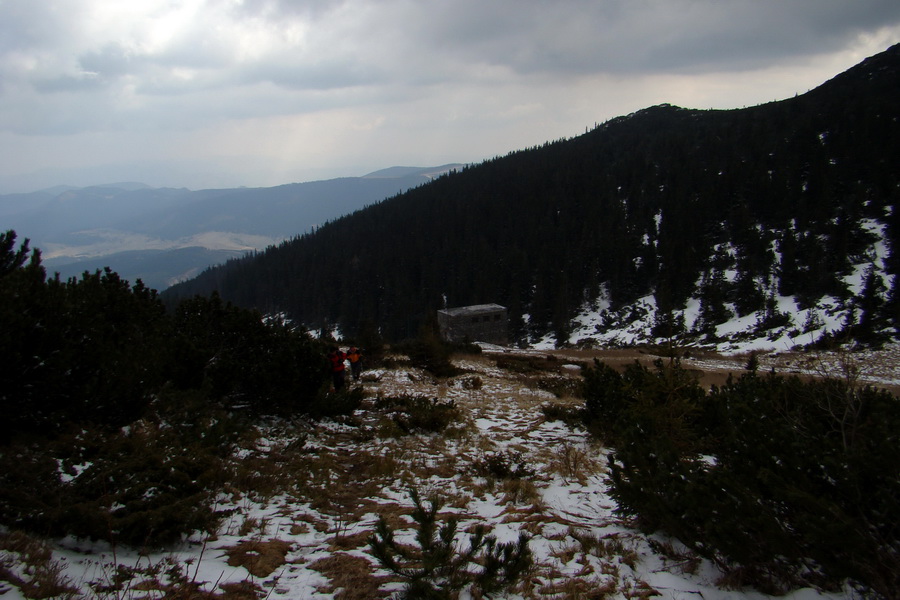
306	497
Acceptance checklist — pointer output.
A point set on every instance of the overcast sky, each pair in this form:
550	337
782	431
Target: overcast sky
220	93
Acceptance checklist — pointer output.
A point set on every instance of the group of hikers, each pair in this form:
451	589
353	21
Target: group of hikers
337	357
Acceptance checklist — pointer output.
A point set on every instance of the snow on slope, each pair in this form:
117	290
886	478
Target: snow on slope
739	335
597	325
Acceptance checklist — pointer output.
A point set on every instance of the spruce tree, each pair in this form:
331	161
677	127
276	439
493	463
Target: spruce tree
872	319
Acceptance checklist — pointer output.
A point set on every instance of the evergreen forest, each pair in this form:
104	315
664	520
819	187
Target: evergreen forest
728	207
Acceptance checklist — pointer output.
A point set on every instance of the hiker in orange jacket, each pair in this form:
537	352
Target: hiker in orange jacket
355	357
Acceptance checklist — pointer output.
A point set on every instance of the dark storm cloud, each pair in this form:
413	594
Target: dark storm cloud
622	36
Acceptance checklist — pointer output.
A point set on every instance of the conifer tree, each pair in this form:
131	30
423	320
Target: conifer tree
872	320
439	567
712	295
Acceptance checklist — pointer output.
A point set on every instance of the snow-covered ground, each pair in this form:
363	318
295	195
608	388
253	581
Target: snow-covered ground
343	475
598	325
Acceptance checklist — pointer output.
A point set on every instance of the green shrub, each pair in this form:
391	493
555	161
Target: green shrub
568	414
159	394
503	465
560	386
85	350
782	482
419	414
335	403
31	489
241	361
664	402
148	484
439	568
432	355
429	351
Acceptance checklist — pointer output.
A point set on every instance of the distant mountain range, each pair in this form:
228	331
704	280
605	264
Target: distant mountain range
766	221
162	235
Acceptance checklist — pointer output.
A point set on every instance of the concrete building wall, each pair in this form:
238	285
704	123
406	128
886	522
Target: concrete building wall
479	323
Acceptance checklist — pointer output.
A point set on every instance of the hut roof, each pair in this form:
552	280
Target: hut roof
472	310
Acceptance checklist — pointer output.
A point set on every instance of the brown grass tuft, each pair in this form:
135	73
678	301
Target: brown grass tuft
594	588
351	577
41	577
241	590
260	558
349	542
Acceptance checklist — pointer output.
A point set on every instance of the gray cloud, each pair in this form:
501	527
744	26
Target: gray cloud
111	61
423	79
326	45
625	36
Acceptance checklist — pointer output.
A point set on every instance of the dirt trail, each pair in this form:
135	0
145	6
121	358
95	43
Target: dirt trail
879	368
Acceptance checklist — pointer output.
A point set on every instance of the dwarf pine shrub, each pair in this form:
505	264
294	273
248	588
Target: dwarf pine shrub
419	414
571	415
147	485
782	482
155	399
437	566
505	464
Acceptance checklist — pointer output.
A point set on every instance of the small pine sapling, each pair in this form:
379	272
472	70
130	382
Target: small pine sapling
438	568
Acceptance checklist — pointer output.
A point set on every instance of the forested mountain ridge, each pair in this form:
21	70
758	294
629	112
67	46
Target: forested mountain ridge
731	209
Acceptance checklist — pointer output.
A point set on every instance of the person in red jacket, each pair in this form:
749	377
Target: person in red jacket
336	358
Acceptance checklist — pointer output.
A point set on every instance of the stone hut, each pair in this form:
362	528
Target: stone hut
479	323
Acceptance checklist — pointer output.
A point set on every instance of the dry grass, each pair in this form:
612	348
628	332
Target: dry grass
351	577
513	401
260	558
582	588
396	515
302	521
520	491
28	564
184	589
165	579
336	481
241	590
573	462
681	560
263	472
879	368
613	547
344	541
252	525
